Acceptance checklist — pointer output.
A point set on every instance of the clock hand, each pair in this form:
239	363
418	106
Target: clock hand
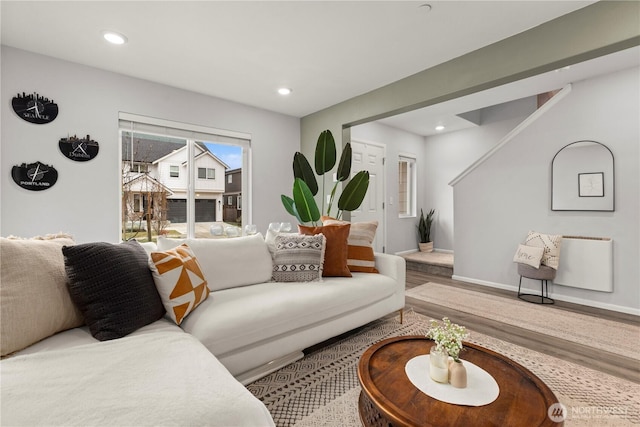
33	177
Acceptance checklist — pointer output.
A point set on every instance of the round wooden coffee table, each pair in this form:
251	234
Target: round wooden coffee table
389	398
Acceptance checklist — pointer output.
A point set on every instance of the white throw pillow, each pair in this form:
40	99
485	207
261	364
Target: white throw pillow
228	262
33	292
529	255
550	243
298	258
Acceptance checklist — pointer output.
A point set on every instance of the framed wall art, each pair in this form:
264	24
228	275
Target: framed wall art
591	184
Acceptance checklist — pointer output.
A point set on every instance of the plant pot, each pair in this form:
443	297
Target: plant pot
426	247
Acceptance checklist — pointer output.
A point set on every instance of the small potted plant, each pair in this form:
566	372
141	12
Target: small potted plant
424	231
448	338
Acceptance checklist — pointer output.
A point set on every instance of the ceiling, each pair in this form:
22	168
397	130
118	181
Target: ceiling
326	51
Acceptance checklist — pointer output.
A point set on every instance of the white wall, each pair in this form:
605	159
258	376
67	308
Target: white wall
84	201
509	194
401	232
448	154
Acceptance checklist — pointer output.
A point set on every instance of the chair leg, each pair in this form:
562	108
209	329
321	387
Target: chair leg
519	285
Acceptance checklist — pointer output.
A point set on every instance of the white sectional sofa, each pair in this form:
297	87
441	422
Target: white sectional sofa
192	374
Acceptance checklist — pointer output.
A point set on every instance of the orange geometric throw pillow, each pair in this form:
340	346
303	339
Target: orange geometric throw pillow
179	280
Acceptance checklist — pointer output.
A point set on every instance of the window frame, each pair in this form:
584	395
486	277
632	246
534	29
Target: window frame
408	186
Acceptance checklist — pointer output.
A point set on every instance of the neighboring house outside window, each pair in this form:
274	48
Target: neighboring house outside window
233	195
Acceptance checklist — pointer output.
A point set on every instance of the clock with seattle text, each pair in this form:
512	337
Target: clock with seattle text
35	108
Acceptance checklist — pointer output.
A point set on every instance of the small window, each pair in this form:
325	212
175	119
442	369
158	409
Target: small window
136	203
230	200
406	186
140	168
174	171
229	179
239	202
206	173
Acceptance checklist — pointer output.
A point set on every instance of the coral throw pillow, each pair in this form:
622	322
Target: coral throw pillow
335	255
360	253
179	280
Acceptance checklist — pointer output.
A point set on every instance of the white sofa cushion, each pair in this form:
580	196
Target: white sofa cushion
246	316
228	263
161	378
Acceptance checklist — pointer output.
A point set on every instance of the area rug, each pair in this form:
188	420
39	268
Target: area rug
615	337
322	388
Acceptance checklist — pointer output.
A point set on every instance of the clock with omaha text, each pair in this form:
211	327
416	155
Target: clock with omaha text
35	108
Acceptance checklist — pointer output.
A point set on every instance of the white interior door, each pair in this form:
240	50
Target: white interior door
370	156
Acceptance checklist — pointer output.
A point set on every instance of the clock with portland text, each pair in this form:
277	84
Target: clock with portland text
34	108
34	176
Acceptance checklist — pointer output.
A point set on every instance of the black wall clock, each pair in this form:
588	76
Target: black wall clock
34	176
79	149
34	108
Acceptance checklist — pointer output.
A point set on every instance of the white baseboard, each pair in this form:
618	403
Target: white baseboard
406	252
411	251
574	300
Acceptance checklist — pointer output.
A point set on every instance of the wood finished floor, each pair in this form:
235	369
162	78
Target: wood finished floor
590	357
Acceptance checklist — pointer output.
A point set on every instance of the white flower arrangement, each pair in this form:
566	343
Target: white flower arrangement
448	337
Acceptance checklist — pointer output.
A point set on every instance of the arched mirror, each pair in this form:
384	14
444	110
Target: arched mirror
582	178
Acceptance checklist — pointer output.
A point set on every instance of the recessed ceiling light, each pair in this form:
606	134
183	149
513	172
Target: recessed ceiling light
440	128
114	38
284	91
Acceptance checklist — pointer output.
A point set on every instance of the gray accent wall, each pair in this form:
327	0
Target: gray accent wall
85	200
498	202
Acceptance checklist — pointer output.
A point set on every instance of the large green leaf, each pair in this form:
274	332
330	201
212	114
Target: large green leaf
344	167
325	153
290	206
305	203
302	169
354	192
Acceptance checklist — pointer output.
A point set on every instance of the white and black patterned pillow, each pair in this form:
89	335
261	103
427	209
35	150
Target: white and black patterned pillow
113	287
550	243
298	258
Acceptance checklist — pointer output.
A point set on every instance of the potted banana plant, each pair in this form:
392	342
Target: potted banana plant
305	185
424	231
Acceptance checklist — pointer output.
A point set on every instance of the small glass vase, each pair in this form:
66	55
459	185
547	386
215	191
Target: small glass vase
457	374
438	365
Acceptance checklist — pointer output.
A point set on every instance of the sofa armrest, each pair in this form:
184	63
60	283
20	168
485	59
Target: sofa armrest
393	266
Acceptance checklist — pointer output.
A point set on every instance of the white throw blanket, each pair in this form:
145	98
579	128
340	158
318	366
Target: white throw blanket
154	379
